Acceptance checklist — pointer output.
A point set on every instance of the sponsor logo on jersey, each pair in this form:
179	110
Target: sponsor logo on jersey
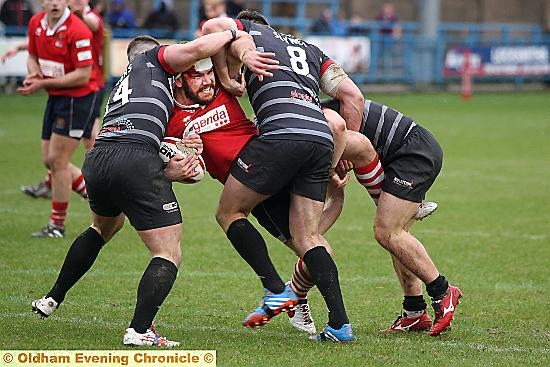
299	95
211	120
170	207
83	43
50	68
84	55
403	183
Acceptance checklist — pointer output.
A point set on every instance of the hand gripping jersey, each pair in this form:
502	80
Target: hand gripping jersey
223	127
287	105
141	102
385	127
62	49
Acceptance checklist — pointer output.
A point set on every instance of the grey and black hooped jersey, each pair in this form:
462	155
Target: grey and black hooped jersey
287	105
141	102
385	127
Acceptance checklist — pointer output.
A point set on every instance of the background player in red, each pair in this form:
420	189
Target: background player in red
61	61
94	22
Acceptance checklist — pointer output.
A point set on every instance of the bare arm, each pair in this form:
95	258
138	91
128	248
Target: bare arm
334	203
14	51
338	128
181	57
352	103
33	68
336	83
91	20
74	79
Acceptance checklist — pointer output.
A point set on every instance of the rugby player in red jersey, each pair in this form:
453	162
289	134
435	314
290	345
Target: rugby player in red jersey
95	23
61	61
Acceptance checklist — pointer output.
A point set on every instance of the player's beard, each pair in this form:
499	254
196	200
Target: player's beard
195	96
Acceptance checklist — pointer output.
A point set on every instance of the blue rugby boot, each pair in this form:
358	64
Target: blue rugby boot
271	305
329	334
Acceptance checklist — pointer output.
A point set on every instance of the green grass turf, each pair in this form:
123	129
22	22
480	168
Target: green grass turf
490	236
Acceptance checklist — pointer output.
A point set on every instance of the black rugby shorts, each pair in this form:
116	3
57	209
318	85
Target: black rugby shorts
69	116
269	166
413	168
129	179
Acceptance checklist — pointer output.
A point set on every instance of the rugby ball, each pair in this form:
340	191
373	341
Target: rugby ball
171	147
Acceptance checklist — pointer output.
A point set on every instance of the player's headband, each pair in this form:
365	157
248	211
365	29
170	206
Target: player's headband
200	66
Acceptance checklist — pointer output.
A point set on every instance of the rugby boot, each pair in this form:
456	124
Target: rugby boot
406	323
445	310
271	305
44	306
150	338
425	209
40	190
50	231
342	335
302	319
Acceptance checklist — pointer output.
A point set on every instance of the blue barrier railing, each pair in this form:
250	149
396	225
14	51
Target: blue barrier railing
401	63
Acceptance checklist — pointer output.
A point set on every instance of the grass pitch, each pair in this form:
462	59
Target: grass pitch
490	236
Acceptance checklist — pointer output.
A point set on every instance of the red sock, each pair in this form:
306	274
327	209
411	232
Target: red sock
372	177
301	281
79	186
59	212
48	180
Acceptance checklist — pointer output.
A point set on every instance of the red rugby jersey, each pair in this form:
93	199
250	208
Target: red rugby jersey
97	45
62	49
223	127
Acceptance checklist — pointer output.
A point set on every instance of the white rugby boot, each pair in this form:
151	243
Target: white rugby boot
44	307
425	209
302	319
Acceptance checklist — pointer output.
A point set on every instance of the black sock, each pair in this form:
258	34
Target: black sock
438	287
323	270
414	303
250	244
78	261
155	284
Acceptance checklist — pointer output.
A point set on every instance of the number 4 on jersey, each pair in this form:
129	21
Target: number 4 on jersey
123	92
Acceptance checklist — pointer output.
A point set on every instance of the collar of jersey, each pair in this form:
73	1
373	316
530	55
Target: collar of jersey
188	107
52	31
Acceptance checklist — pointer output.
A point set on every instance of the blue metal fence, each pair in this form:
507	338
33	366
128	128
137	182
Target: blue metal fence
398	61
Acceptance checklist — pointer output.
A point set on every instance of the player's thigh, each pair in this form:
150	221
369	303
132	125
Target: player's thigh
61	148
393	213
107	227
164	242
236	201
272	214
